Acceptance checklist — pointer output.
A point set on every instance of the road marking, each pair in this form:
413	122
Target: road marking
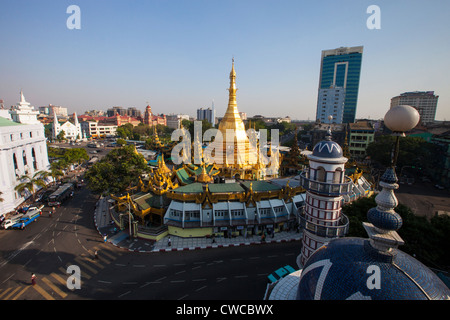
15	253
104	281
177	281
4	292
146	284
54	288
160	279
78	260
180	272
139	265
186	295
43	292
21	292
159	265
8	278
10	295
59	279
123	294
200	288
238	277
199	280
109	255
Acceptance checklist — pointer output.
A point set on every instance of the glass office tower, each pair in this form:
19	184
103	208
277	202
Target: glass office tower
341	67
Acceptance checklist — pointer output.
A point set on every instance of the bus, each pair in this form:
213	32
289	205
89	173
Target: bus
61	194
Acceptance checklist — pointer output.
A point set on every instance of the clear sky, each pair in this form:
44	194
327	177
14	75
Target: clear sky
176	54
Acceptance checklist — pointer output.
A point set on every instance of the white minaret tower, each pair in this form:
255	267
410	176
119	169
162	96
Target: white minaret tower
325	182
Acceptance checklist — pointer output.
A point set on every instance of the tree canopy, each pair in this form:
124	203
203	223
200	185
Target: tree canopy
413	151
118	170
426	240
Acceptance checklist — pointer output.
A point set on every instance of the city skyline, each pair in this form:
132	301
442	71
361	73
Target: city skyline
176	55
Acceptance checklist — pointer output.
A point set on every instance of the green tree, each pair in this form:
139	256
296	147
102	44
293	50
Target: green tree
61	136
30	183
426	240
118	170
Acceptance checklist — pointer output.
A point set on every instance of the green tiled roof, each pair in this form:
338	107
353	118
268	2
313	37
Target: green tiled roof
190	188
183	176
8	123
261	186
147	200
225	187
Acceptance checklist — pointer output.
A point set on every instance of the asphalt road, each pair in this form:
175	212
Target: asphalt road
50	245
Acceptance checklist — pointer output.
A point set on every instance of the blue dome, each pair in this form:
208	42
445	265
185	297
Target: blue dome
327	149
346	268
384	220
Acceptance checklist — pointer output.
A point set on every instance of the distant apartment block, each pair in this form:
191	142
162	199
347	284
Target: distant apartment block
174	120
361	134
206	114
424	101
51	109
341	68
331	103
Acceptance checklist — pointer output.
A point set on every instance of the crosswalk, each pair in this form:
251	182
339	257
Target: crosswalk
54	285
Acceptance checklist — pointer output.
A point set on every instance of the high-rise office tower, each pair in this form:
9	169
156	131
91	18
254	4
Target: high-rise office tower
340	69
424	101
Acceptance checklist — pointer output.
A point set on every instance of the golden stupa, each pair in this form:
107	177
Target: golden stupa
238	155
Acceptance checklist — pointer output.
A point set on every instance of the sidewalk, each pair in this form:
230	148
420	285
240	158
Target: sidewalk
121	239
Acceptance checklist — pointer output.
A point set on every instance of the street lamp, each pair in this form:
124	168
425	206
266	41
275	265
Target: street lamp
383	220
400	119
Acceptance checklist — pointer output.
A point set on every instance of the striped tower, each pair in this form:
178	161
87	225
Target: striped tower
326	183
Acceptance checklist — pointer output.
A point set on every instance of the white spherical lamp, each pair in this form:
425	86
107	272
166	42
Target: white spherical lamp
402	118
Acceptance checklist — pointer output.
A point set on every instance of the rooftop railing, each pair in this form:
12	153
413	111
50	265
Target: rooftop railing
325	188
336	231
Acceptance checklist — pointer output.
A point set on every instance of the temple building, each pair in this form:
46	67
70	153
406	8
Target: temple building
237	152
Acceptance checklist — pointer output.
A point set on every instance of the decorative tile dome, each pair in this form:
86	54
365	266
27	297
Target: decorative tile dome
348	268
327	149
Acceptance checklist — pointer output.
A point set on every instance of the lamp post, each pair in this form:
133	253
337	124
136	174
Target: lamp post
399	120
383	220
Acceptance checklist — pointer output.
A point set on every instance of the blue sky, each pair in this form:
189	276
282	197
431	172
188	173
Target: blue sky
176	54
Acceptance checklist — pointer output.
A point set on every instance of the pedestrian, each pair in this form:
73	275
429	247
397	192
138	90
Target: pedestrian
213	238
33	279
105	238
169	242
96	254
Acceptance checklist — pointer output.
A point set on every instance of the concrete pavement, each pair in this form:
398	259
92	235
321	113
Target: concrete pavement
106	227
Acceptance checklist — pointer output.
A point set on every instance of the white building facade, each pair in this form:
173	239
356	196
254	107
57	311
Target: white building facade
331	103
23	151
72	131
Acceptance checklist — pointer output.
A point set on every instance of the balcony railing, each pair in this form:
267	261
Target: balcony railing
325	231
325	188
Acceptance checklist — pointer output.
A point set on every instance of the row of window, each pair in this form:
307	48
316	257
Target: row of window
223	213
22	135
25	161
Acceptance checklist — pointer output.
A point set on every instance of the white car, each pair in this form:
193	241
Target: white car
11	221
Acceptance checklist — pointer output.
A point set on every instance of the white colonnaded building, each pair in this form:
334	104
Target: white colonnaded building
23	150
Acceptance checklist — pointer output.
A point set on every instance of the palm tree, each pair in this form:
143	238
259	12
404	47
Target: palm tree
38	179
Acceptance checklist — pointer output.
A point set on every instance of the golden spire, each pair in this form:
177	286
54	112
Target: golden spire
232	104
